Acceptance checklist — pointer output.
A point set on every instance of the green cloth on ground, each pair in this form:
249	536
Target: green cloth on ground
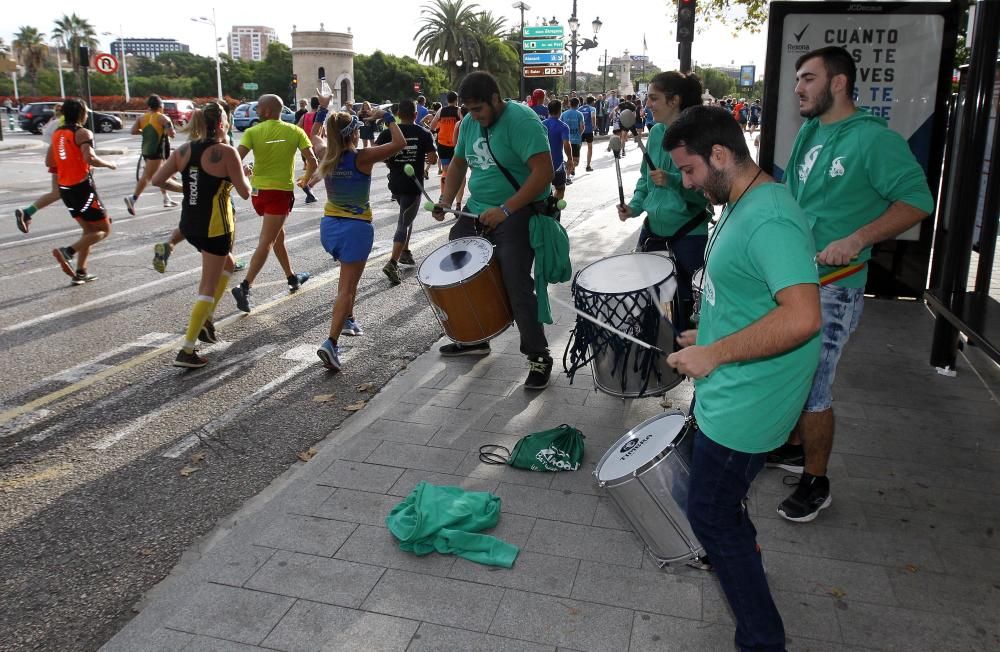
552	263
448	519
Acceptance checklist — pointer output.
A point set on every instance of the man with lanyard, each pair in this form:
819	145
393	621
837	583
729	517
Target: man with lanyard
404	188
859	184
156	130
497	139
559	147
274	144
752	357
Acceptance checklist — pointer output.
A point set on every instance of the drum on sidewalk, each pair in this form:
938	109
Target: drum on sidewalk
463	284
623	291
647	474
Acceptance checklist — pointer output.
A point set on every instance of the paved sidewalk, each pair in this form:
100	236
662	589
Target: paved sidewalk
906	558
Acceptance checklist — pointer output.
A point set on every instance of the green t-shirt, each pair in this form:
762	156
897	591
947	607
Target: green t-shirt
275	146
846	174
668	207
760	249
514	138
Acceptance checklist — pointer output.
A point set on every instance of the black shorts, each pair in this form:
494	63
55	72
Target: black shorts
559	180
588	136
83	202
576	149
445	153
218	246
162	154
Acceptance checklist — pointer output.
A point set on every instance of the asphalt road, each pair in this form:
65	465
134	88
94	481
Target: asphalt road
113	462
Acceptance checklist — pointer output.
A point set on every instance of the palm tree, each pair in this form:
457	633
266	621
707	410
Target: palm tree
445	34
73	31
30	49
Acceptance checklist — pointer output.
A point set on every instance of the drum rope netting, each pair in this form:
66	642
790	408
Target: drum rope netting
633	313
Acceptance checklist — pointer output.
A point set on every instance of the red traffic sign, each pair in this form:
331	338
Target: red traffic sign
544	71
106	63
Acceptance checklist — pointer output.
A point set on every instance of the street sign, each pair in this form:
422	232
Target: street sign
544	58
544	71
106	63
250	86
548	30
551	44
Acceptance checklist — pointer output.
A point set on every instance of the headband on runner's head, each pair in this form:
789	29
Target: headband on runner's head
350	128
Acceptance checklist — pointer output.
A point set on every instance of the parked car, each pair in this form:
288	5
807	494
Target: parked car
245	115
179	111
34	116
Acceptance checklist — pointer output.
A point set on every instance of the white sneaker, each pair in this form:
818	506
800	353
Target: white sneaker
168	202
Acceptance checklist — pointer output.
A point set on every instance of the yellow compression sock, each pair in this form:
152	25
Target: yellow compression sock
220	289
202	309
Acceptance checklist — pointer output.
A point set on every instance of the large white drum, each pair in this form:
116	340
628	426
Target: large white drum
647	474
623	291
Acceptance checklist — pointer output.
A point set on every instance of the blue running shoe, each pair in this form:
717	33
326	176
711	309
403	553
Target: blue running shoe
329	355
352	328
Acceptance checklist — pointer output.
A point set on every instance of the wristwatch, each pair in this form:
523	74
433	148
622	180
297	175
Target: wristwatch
506	211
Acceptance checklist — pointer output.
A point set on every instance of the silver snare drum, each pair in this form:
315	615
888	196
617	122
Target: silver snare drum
647	475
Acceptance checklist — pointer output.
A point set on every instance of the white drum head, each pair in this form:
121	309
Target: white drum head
625	273
639	446
455	261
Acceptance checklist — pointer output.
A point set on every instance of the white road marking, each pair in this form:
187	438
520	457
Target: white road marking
14	426
58	234
238	363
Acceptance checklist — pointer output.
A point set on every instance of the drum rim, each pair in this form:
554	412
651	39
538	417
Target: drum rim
639	470
493	255
576	278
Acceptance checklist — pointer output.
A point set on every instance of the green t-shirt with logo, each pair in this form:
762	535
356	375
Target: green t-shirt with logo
514	138
846	174
275	146
762	247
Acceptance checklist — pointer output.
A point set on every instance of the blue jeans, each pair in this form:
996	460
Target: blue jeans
841	309
720	481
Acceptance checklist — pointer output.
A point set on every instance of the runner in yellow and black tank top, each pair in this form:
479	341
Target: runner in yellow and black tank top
155	143
156	131
206	211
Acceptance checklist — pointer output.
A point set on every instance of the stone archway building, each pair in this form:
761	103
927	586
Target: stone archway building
331	53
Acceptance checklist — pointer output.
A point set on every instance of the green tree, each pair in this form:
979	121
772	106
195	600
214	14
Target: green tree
235	73
445	33
274	73
716	82
30	50
72	32
381	76
190	71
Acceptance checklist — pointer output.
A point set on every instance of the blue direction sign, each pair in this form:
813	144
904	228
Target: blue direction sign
535	58
546	44
545	31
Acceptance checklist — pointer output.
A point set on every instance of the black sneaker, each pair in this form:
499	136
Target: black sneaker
310	197
790	457
406	258
207	332
811	496
82	277
296	280
540	369
455	349
189	360
242	295
23	221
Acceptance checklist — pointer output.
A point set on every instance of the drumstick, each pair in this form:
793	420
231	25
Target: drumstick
627	121
607	327
429	205
616	148
408	169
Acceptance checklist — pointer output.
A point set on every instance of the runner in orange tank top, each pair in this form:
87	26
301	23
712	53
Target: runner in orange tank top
72	156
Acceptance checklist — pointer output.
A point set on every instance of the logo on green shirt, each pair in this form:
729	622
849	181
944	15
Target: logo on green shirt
480	157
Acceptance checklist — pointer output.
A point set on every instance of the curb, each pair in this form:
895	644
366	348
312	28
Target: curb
5	146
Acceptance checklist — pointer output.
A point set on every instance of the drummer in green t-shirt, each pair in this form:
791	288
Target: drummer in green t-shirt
753	355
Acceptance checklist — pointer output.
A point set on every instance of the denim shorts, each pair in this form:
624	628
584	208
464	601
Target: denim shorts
347	239
841	313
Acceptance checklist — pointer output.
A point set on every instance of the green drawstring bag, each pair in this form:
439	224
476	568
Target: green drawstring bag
558	449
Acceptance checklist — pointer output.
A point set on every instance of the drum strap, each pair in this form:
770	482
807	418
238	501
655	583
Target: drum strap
669	241
537	207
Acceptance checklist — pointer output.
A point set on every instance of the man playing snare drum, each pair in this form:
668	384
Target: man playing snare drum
753	355
514	134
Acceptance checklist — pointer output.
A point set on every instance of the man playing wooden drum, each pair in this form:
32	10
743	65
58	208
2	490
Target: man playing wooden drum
753	355
497	138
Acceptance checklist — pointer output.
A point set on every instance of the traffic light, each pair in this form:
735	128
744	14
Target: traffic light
685	21
295	80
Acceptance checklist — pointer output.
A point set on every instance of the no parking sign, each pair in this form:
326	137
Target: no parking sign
106	63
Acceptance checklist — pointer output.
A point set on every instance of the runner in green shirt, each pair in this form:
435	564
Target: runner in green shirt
275	146
859	184
752	357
